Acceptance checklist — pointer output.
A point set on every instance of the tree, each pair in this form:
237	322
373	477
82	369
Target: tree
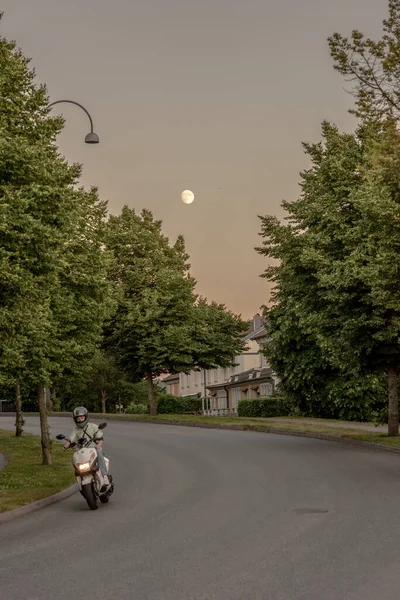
53	285
216	334
337	280
100	380
160	325
19	420
103	382
149	333
372	67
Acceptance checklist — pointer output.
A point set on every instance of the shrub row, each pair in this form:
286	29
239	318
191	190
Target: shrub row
167	403
264	407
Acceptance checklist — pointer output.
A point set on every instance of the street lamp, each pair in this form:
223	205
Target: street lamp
91	137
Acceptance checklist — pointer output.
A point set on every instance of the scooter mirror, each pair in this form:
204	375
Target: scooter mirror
60	436
102	425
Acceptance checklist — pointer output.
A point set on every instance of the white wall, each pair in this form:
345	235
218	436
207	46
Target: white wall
192	384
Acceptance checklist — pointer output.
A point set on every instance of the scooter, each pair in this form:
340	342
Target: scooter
88	475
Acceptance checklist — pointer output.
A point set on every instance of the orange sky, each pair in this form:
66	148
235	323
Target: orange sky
215	96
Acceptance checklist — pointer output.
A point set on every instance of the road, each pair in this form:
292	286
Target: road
207	514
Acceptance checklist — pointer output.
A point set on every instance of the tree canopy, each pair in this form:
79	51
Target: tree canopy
336	303
54	291
161	325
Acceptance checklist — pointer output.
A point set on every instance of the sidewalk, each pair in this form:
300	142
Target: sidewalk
336	424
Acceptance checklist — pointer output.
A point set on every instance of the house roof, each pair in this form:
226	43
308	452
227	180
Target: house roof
172	377
260	334
250	376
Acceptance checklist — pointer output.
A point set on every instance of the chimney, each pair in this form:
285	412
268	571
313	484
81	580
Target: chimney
257	322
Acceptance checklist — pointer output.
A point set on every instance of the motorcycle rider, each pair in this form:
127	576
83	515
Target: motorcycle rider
91	432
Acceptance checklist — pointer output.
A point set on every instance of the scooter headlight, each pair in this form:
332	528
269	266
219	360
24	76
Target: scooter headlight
84	467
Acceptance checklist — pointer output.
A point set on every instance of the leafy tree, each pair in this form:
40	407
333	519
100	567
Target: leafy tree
337	280
150	331
160	325
100	386
19	420
372	67
216	334
53	286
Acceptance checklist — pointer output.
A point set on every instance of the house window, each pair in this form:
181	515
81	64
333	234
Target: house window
244	393
235	397
254	392
266	389
215	375
196	378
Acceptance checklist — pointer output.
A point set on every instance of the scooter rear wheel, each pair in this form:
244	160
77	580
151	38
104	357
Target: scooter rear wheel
88	494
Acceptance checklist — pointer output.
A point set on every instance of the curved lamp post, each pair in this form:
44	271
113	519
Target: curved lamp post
91	137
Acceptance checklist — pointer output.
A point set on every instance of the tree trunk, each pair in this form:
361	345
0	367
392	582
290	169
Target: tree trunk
19	420
393	408
103	402
44	429
152	396
49	400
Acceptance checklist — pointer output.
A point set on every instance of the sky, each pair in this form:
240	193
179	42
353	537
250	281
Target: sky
214	96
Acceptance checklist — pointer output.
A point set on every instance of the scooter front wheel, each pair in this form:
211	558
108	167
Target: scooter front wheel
89	495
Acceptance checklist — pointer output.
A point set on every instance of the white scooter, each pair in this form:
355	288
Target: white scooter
88	475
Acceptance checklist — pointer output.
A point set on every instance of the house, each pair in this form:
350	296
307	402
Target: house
211	384
255	383
259	381
171	383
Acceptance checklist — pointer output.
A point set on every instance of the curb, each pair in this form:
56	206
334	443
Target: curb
22	511
231	427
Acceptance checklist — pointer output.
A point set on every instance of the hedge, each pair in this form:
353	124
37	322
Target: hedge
167	404
137	409
263	407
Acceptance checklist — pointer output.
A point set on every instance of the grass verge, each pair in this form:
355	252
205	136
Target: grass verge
294	426
25	479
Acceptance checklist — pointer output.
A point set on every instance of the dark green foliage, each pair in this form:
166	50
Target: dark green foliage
167	403
53	288
161	326
264	408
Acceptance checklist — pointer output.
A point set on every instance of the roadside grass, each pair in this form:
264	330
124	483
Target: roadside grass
25	479
293	425
290	424
286	424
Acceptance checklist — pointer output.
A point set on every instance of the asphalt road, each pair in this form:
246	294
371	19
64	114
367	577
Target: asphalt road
207	514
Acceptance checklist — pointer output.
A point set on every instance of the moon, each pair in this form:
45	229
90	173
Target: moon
187	197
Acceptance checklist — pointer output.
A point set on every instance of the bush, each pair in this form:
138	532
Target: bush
137	409
167	404
274	406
